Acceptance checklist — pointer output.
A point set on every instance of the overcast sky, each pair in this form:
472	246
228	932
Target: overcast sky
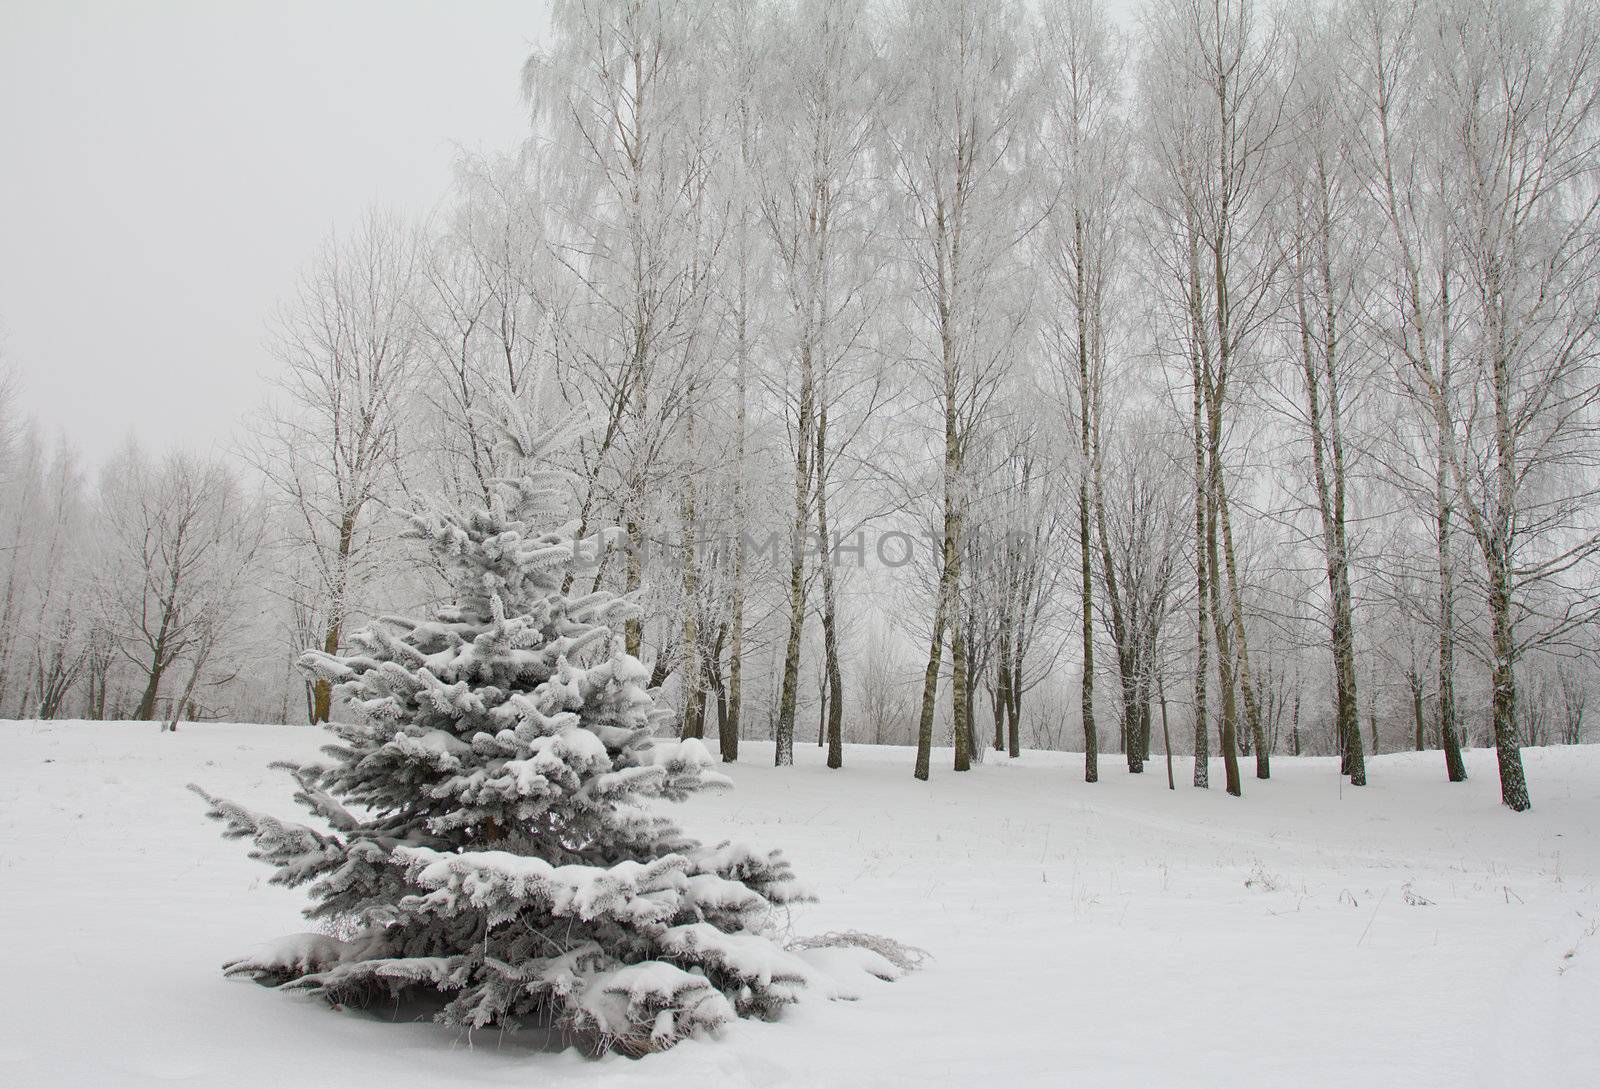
168	166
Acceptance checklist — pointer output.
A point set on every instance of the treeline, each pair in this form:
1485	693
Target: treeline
988	374
129	593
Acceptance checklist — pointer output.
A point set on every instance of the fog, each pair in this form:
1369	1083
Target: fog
169	167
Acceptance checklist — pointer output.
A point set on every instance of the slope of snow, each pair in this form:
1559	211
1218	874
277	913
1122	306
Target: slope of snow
1413	933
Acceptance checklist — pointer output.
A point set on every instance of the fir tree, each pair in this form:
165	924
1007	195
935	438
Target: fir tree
487	827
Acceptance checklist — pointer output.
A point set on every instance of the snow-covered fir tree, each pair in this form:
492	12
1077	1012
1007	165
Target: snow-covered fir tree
486	827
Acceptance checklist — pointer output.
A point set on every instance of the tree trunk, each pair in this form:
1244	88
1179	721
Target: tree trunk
997	713
834	697
146	710
1455	767
1016	656
1414	680
181	708
1202	597
164	650
947	610
1122	635
728	728
961	704
784	754
1503	703
930	688
1225	680
1014	717
632	579
694	674
1252	705
1091	746
822	711
1002	682
321	689
1319	358
1166	735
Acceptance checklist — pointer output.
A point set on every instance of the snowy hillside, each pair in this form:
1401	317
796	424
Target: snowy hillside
1409	934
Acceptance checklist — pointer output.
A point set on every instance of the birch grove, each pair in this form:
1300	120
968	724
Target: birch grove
1215	380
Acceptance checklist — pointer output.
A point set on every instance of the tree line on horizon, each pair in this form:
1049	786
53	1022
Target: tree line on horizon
1231	371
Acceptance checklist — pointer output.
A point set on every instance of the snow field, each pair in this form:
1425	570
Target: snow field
1412	933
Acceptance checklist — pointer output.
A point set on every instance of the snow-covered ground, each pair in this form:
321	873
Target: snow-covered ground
1410	934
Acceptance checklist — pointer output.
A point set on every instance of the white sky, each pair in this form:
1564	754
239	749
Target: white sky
168	166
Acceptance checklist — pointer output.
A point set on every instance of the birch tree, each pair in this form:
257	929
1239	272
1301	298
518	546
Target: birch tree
1139	527
1402	166
955	146
1212	85
180	542
622	112
1322	242
818	125
483	301
1512	98
1085	151
63	624
332	444
742	45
